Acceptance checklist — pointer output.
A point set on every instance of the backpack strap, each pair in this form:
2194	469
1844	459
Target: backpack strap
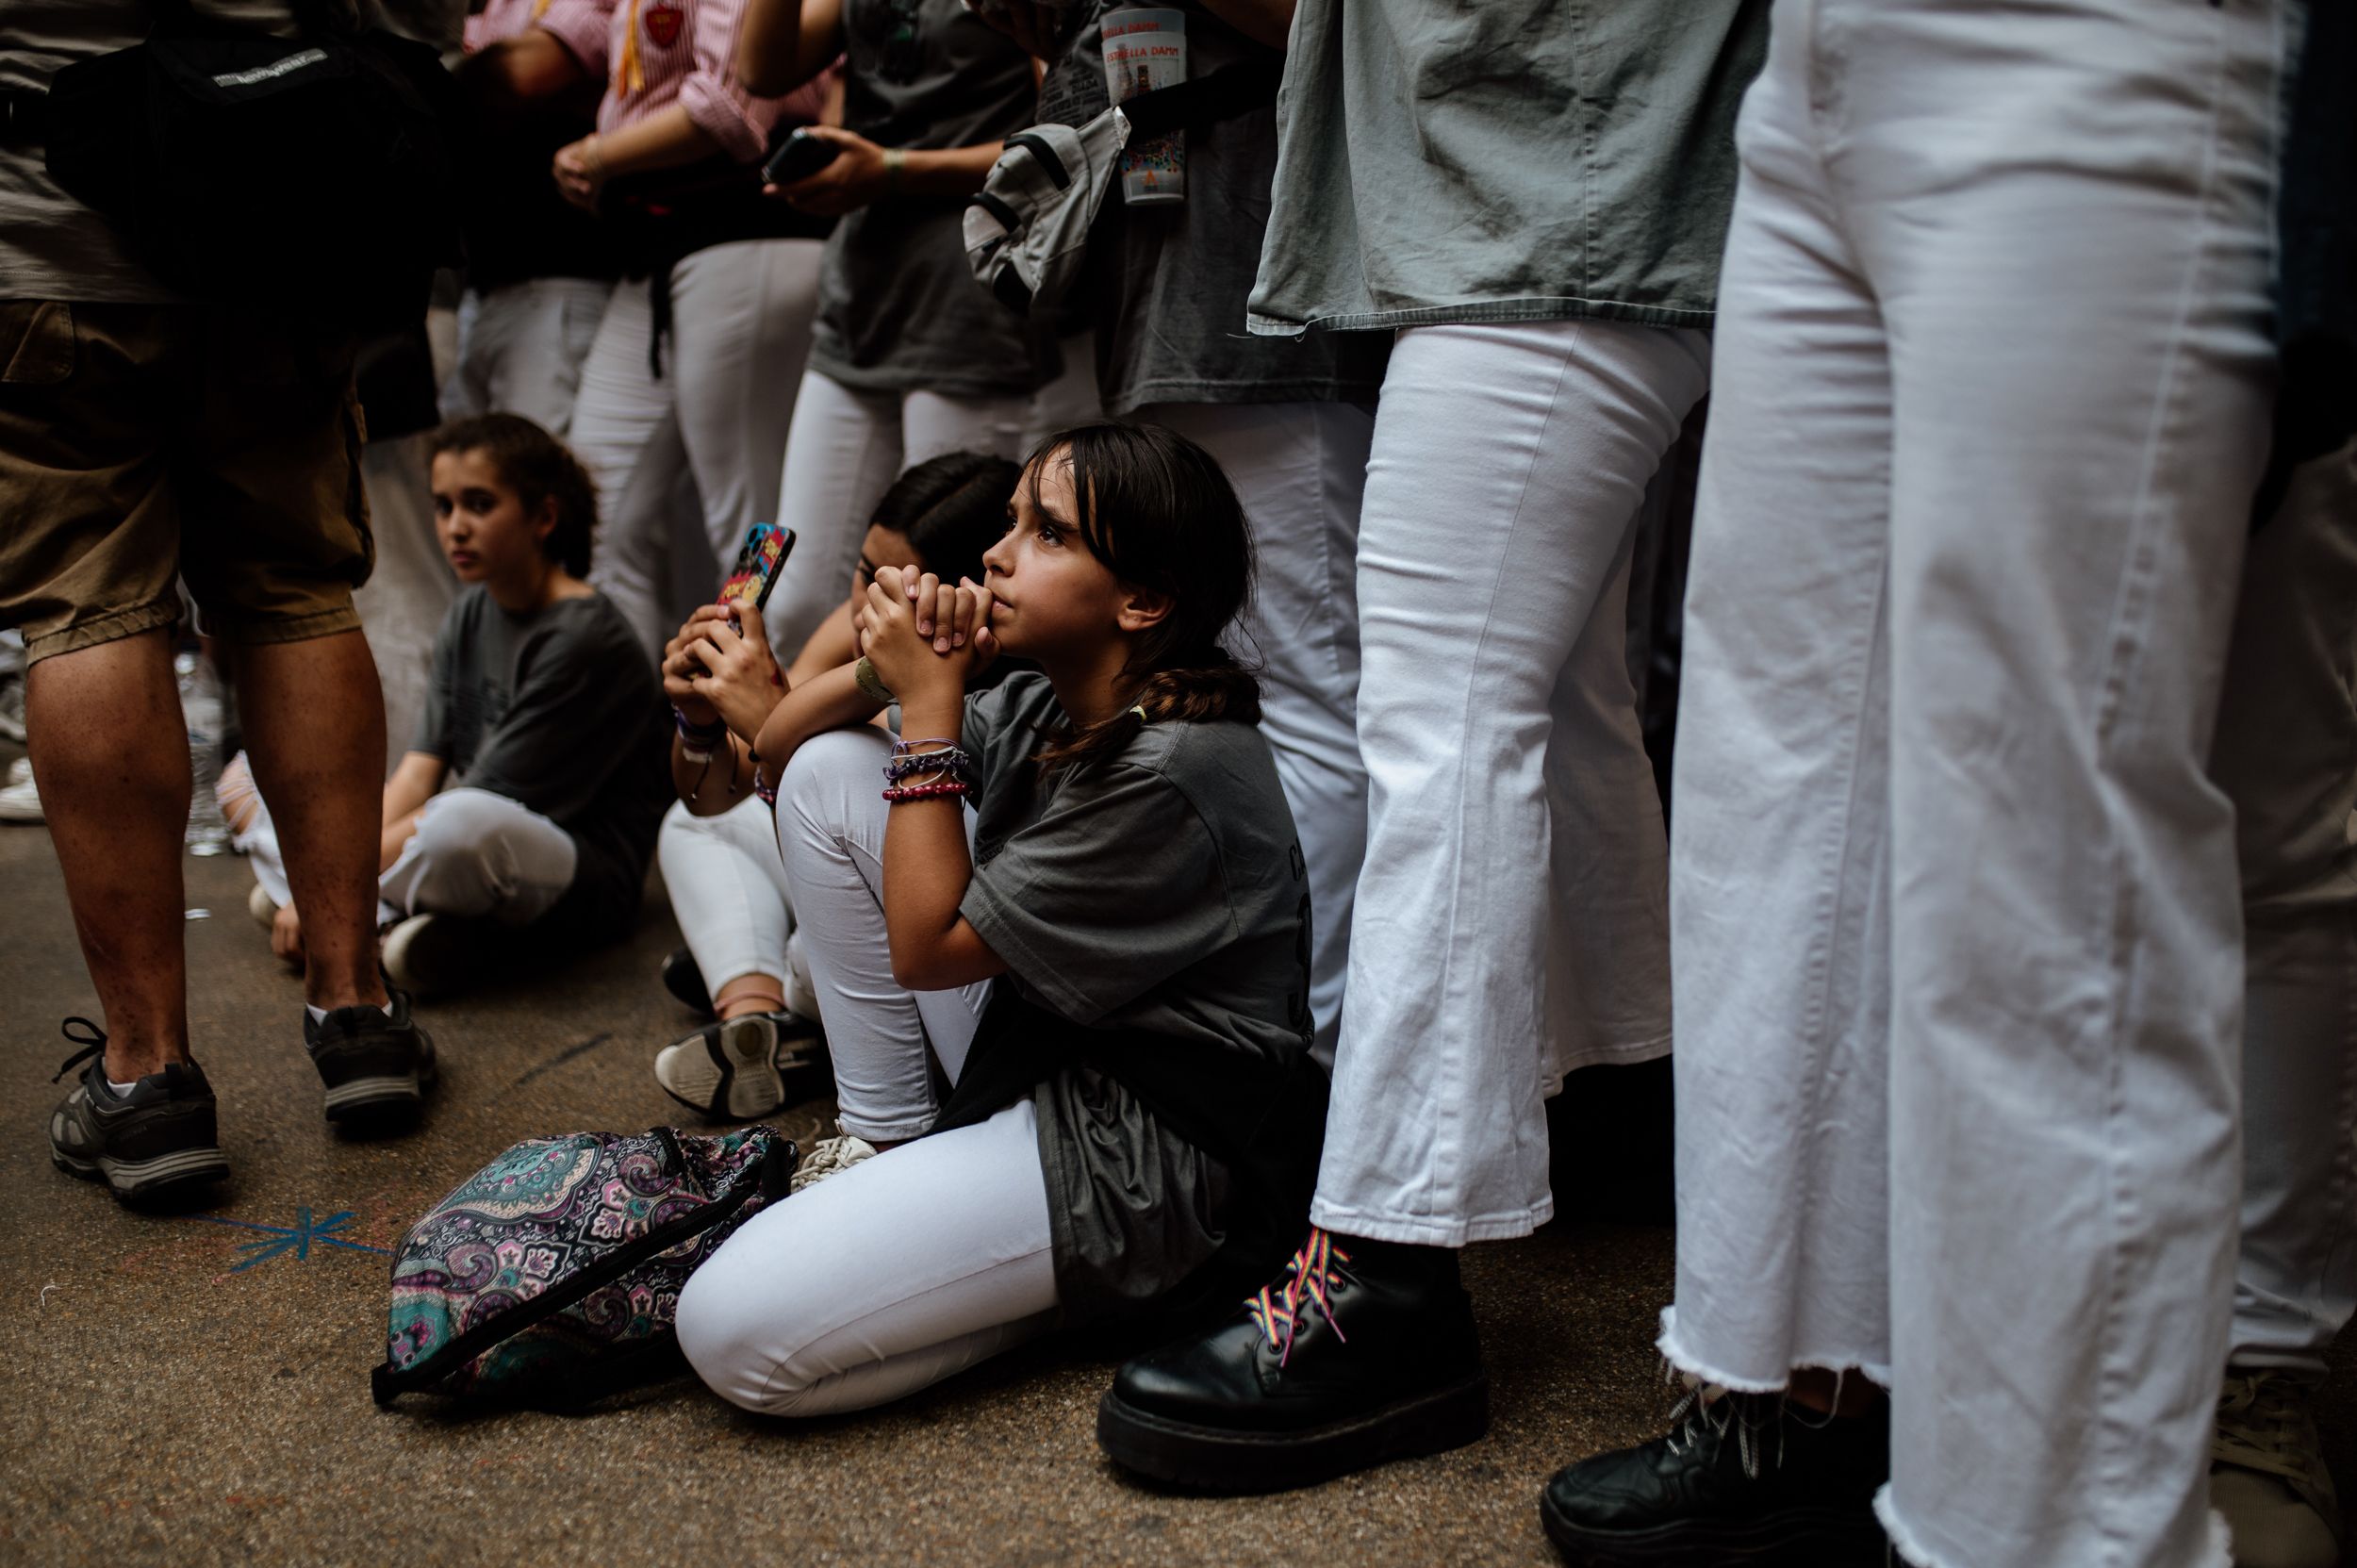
1231	90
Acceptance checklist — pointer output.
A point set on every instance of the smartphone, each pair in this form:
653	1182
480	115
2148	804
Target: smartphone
801	156
767	545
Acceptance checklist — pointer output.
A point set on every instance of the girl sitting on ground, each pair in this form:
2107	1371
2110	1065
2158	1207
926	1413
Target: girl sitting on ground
1075	899
742	961
530	798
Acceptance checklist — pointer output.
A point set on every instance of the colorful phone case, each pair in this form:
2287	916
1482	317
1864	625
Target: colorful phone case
767	545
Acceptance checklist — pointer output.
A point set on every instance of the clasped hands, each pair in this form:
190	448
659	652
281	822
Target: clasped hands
925	638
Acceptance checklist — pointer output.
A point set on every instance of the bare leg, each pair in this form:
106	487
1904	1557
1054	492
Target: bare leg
111	756
749	994
314	735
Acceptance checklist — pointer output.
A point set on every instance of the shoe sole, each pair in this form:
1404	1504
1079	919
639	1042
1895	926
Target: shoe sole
363	1098
1211	1460
734	1077
136	1180
1795	1538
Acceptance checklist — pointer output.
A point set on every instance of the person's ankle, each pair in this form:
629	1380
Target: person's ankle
1411	1260
1840	1394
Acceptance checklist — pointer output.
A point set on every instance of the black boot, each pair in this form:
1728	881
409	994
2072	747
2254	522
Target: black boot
1749	1478
1364	1352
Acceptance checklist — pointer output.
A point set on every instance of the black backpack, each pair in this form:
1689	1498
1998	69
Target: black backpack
306	177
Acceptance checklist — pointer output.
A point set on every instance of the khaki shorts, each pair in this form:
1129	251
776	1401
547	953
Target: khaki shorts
145	444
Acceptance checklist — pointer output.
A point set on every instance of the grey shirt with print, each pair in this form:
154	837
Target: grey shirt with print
1511	161
1151	897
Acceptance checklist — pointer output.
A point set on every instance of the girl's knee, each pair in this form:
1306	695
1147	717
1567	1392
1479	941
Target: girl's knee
827	772
460	820
725	1335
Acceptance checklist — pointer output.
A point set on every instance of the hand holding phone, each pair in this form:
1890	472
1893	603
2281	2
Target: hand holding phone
801	156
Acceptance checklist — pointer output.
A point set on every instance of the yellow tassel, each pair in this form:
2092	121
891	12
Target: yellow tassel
539	9
629	75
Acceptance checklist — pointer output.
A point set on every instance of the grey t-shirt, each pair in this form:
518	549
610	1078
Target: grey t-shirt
1154	918
1168	283
559	712
899	308
1511	161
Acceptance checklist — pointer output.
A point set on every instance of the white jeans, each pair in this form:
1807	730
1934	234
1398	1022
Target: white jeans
846	448
831	828
521	349
2287	755
1071	399
1510	922
1958	950
740	330
403	603
728	890
474	853
880	1279
1300	468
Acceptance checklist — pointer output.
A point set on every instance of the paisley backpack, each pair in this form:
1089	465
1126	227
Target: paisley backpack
551	1276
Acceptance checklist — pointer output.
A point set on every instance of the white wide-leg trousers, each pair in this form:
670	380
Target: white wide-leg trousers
521	349
1511	919
1956	928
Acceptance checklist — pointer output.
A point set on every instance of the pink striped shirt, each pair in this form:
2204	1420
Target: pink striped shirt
580	25
685	52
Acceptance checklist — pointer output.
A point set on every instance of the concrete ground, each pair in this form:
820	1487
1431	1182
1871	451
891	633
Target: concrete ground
195	1390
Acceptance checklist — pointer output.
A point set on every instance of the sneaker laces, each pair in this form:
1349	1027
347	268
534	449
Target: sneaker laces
2264	1424
829	1157
92	1040
1309	1278
1710	1411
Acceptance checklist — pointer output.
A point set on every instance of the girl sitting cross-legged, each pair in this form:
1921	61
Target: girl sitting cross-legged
1076	900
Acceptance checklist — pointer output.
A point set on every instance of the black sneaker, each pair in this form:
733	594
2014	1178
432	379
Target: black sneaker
747	1067
377	1066
158	1141
1349	1361
1748	1478
685	981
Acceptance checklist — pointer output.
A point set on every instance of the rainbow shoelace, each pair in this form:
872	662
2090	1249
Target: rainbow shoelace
1309	1279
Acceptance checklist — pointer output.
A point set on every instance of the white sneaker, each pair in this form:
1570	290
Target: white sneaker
829	1157
747	1067
21	800
264	908
20	770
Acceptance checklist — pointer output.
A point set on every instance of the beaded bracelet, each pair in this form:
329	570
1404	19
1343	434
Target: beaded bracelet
900	793
955	762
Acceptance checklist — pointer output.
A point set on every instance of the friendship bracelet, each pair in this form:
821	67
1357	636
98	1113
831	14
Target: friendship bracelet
952	761
697	742
901	793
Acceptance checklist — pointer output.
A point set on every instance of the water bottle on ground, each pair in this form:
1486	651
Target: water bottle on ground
200	708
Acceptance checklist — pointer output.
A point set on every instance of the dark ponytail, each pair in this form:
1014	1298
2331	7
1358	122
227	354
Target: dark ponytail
536	466
1157	509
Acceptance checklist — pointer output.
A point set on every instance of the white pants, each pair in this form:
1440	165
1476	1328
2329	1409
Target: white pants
2287	755
474	853
740	330
521	349
831	829
925	1259
881	1280
728	890
1958	950
1510	922
1300	468
846	448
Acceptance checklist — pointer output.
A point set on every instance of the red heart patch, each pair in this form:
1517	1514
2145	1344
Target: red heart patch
663	25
